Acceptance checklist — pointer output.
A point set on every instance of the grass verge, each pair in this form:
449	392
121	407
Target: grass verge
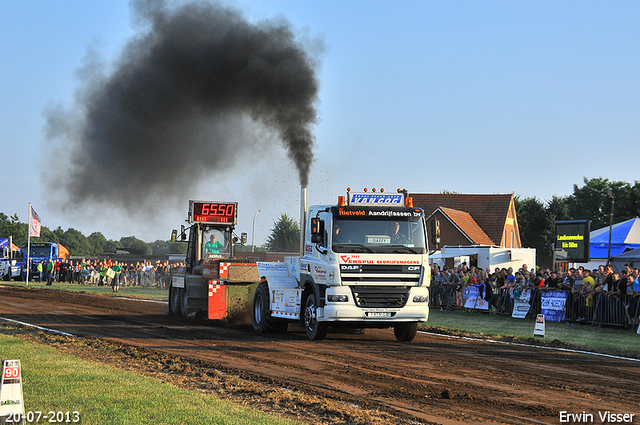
104	392
577	336
104	395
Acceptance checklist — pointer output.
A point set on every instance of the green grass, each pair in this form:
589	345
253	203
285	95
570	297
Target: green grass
124	291
105	395
605	339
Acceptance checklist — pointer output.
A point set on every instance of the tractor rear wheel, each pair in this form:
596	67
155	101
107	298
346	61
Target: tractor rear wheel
175	301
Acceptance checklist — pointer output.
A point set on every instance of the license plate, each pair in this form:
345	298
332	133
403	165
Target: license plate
378	314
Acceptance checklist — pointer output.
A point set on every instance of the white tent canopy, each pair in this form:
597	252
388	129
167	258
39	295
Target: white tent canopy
630	257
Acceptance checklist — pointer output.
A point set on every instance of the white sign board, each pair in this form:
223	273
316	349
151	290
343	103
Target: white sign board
11	401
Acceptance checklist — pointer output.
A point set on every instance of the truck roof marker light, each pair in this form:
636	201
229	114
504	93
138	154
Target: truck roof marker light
365	189
341	202
373	190
410	202
381	190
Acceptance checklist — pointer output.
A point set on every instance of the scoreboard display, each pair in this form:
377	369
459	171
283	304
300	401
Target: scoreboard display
213	212
572	241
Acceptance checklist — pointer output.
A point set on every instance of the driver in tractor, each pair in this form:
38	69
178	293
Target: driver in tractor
214	246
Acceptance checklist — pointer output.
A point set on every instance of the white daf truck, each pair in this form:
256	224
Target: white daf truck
363	264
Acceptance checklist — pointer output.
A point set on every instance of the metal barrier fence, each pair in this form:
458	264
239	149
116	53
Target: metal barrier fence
443	296
127	278
603	309
595	309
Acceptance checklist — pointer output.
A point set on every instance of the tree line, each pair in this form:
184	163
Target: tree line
284	237
80	245
536	220
592	201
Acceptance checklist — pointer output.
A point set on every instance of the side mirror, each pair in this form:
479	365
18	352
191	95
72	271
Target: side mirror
317	231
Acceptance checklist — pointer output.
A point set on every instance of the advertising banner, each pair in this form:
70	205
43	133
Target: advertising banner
474	299
521	306
553	305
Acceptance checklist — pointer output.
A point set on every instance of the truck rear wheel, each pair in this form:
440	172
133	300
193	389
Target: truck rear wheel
405	331
261	317
315	330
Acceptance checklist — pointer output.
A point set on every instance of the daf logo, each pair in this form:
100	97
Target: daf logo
350	268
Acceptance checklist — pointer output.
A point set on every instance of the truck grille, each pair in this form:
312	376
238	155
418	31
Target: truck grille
373	274
380	296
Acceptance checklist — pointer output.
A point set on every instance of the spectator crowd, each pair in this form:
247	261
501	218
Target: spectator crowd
109	273
599	296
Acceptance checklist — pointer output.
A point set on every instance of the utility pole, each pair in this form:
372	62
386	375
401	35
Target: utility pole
253	234
613	201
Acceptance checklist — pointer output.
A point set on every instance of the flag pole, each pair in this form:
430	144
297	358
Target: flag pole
28	243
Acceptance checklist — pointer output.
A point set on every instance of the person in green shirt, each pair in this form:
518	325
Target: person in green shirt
115	280
213	246
49	272
103	273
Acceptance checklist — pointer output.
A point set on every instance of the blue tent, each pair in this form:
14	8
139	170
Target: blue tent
624	236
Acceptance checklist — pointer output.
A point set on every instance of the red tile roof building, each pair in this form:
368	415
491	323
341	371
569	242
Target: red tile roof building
471	219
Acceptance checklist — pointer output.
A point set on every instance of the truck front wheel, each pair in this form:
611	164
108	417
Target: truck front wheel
315	330
405	331
262	320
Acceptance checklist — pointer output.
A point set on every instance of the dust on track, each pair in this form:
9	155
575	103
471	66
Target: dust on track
347	378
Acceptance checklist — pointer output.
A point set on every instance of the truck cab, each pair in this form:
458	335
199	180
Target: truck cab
364	264
11	262
41	253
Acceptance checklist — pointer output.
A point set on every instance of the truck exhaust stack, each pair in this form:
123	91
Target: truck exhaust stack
303	217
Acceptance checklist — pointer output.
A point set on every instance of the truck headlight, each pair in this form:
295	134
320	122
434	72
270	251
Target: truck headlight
337	298
419	299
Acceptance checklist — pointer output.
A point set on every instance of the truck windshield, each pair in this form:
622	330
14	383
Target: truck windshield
378	236
40	251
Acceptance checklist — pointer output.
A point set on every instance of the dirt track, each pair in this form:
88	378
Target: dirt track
431	380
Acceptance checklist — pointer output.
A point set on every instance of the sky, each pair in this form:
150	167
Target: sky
524	97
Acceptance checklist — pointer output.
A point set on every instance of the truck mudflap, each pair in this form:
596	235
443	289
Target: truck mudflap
284	292
285	303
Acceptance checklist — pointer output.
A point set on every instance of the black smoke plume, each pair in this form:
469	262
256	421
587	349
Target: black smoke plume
198	90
